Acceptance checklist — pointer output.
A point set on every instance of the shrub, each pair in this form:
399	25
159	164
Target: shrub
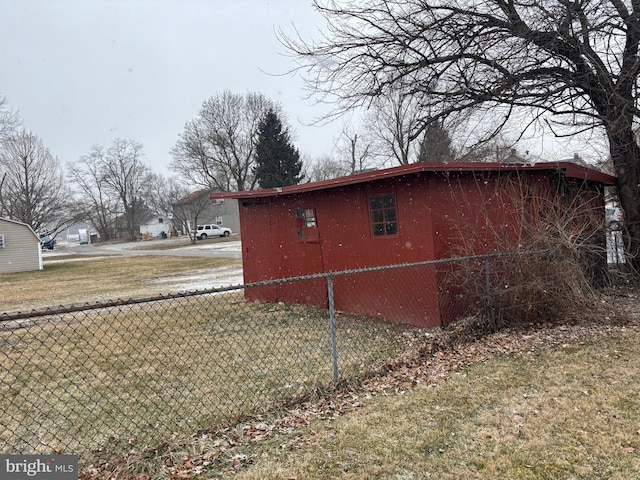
547	255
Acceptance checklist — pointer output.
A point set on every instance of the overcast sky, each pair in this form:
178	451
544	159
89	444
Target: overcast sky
84	72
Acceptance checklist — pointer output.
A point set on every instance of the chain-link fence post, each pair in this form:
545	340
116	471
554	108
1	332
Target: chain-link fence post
488	304
486	273
332	320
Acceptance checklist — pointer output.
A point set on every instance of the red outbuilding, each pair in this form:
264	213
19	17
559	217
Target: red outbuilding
412	213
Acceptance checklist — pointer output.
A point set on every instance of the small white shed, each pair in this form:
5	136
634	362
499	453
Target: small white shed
19	247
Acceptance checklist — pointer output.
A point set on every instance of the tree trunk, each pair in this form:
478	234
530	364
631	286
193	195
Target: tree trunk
625	154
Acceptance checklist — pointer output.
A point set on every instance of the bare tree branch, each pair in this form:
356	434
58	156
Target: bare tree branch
216	149
572	63
127	178
33	186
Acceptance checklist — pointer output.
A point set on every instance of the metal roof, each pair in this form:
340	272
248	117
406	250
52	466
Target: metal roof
570	169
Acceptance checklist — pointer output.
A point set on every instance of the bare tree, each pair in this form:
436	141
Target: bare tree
395	122
9	119
353	154
572	65
127	178
95	200
189	208
216	149
356	150
33	186
162	193
9	122
325	167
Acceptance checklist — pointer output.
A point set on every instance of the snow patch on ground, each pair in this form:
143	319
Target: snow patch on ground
232	246
202	280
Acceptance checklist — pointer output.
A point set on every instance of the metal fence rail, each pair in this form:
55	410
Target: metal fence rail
135	372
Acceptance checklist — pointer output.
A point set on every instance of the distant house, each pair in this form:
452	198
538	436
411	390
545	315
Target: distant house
205	207
412	213
156	226
19	247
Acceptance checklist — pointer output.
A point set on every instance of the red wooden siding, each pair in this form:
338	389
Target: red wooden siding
302	230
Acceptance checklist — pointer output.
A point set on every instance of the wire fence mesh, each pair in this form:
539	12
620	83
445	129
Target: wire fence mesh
77	379
83	378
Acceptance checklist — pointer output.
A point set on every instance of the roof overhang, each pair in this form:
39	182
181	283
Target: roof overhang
570	169
22	224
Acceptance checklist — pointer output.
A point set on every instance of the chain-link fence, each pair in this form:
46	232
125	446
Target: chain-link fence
136	372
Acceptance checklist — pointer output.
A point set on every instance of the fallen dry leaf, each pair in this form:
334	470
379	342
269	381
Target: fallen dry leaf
430	358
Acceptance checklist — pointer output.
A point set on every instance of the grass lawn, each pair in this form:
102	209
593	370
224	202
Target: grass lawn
566	413
126	379
147	372
133	376
74	281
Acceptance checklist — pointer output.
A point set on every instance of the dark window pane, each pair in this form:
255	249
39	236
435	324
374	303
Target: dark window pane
389	202
376	203
390	215
377	217
392	228
378	229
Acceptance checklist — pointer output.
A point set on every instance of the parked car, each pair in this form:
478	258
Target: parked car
213	230
47	241
613	218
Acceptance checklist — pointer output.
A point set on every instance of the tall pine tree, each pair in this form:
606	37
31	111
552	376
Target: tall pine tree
278	162
436	144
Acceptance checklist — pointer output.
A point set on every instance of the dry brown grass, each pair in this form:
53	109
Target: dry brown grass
565	413
72	282
142	374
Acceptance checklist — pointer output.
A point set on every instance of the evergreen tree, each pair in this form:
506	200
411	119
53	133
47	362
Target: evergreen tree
436	144
278	162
